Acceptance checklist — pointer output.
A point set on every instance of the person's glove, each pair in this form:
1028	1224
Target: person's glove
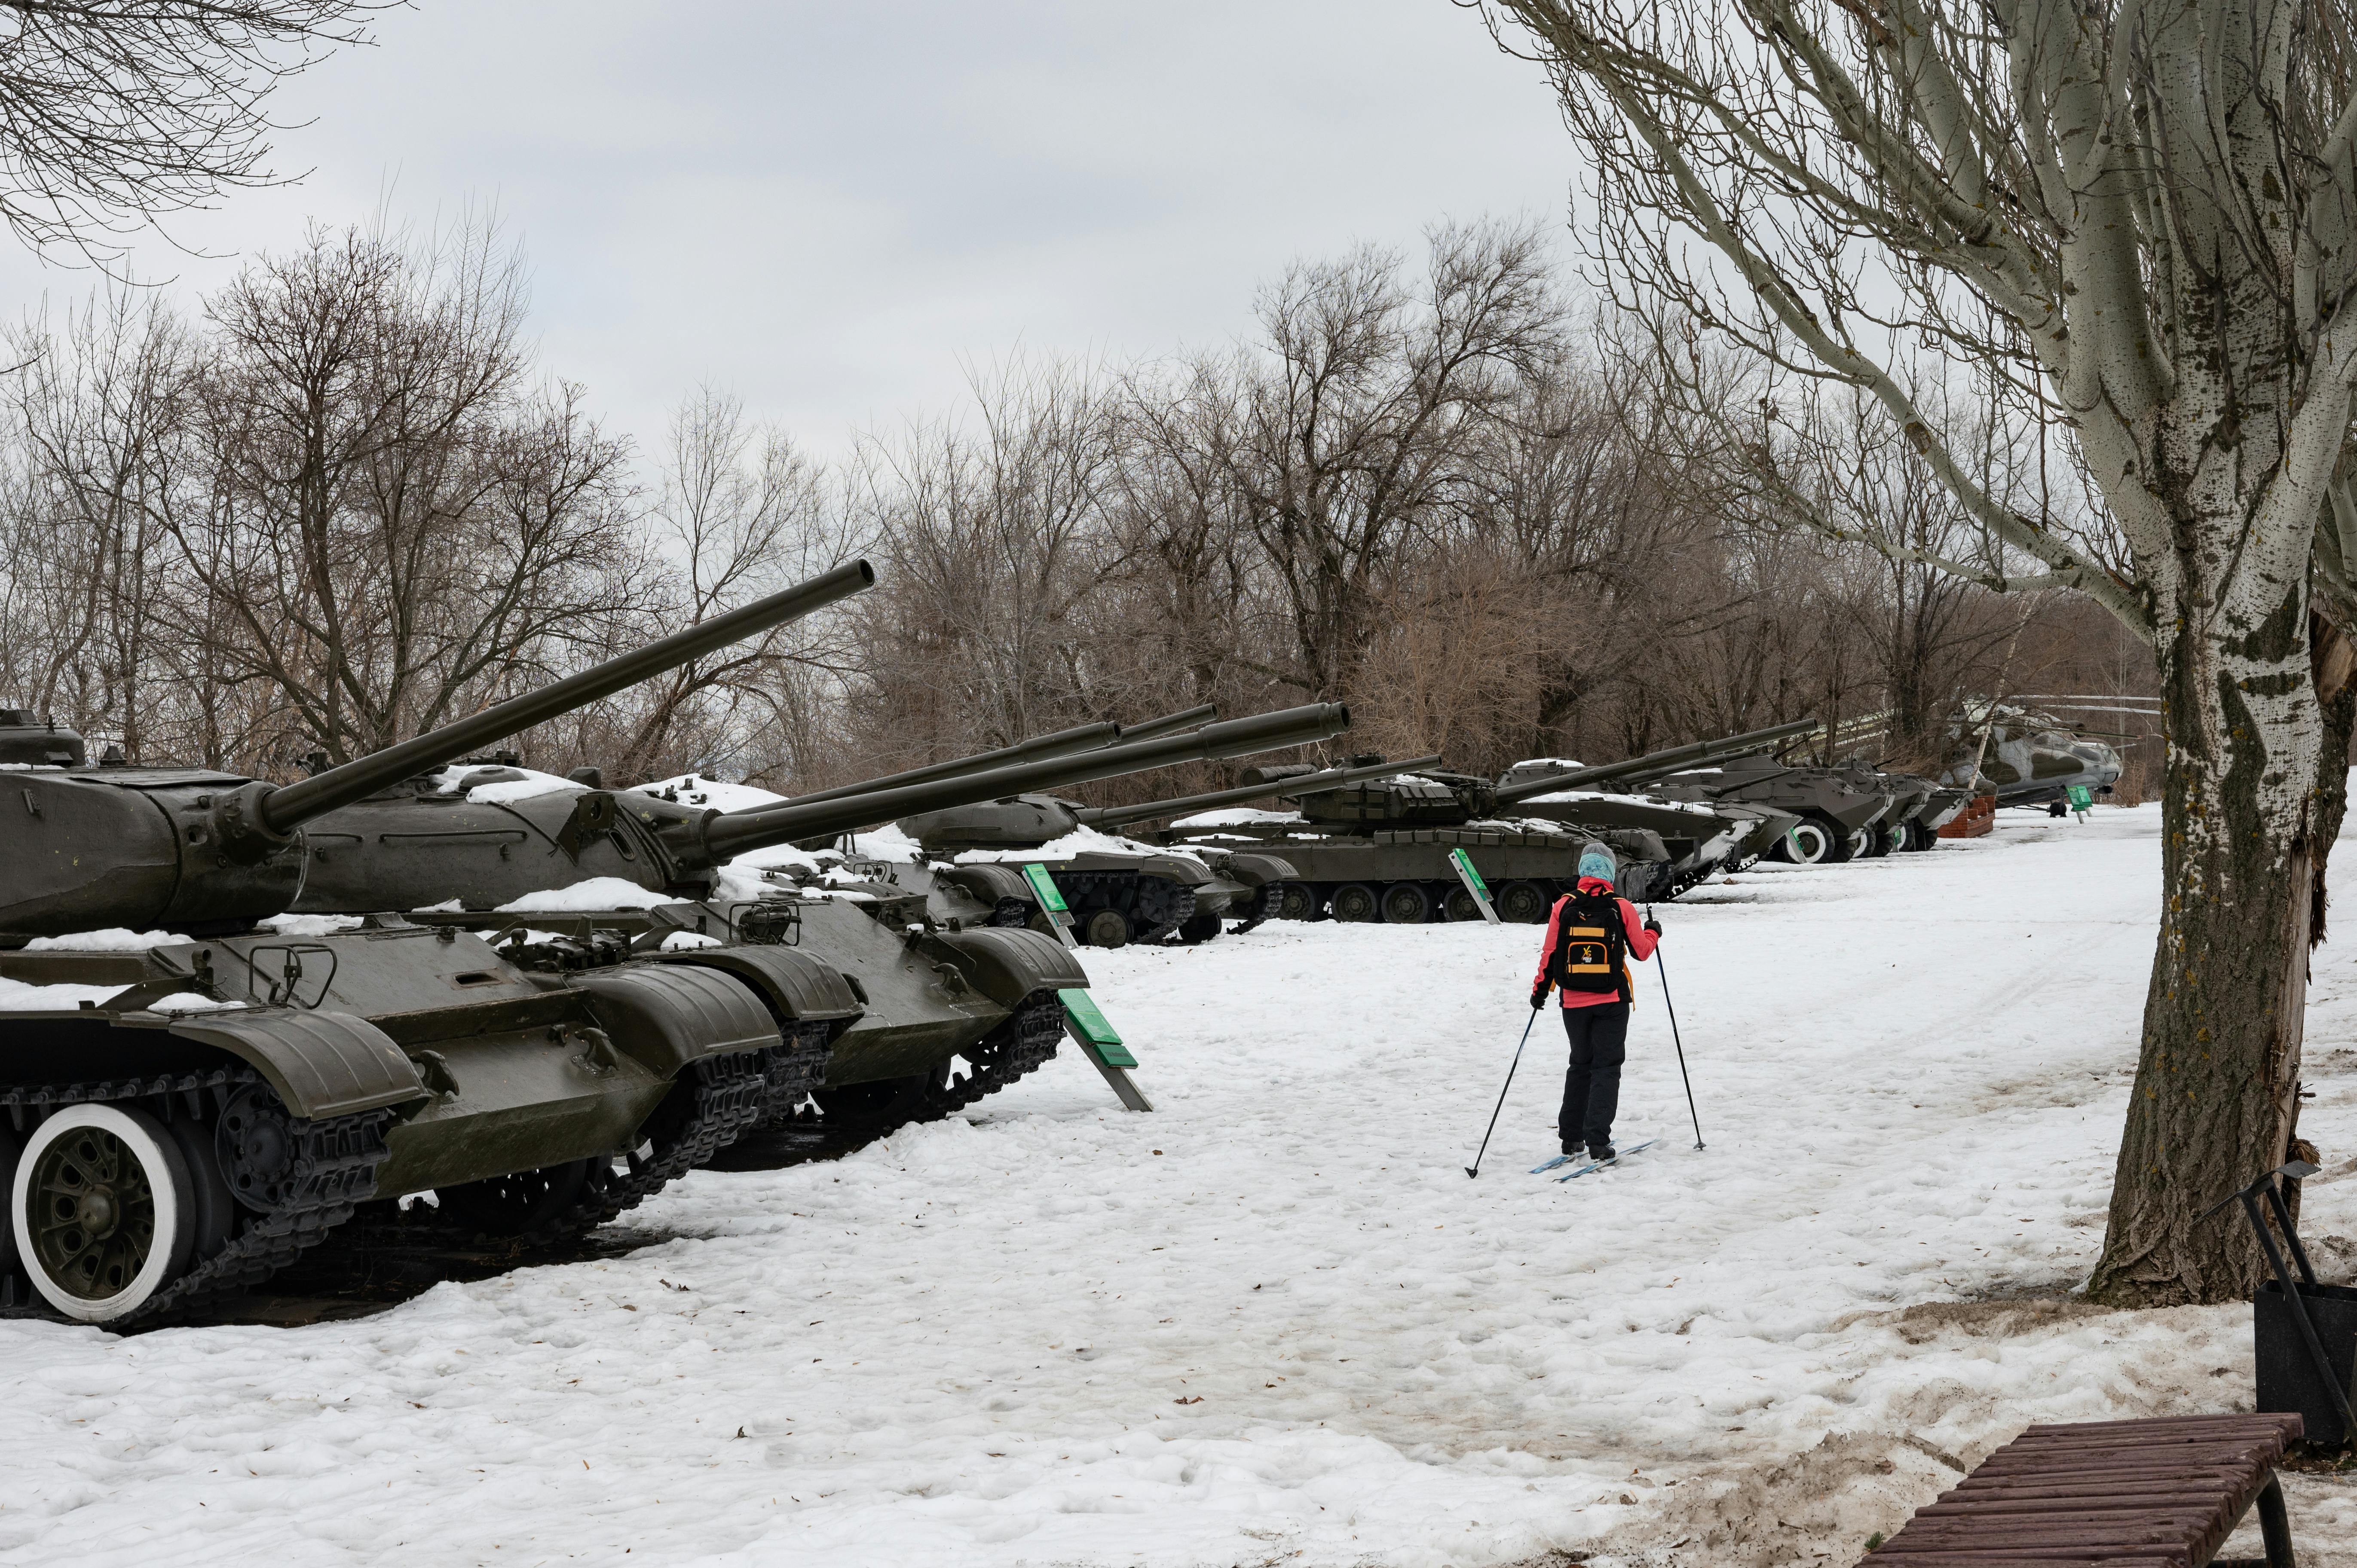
1538	995
1652	925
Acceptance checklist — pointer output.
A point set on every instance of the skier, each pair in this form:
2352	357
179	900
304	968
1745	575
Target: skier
1591	933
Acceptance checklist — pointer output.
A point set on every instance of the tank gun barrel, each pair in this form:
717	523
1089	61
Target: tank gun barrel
736	831
1171	723
1306	784
1064	743
1655	763
283	810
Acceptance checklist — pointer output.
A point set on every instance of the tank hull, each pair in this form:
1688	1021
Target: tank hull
306	1074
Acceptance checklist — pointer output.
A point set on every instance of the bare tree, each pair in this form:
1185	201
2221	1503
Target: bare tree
396	523
740	512
2129	221
1355	434
114	115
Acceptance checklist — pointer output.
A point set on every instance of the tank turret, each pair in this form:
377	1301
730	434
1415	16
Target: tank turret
200	851
27	740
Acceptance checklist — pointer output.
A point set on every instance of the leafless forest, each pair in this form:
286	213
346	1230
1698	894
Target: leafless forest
340	500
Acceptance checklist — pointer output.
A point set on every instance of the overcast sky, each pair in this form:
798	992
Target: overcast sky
834	210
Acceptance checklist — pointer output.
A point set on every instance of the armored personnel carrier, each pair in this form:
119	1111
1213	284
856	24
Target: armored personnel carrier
197	1088
1379	849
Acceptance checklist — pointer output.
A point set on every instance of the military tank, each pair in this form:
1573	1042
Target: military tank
1379	849
930	995
29	741
197	1088
1117	889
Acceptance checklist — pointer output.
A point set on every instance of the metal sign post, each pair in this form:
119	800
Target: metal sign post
1052	902
1474	885
1101	1044
2082	799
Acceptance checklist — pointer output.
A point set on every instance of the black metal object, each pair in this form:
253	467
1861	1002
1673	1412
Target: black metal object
1474	1168
1664	971
2285	1319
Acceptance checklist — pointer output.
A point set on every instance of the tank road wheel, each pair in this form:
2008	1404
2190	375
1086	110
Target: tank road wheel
1460	905
518	1203
1106	929
1814	842
1198	928
1354	902
102	1210
1521	903
1406	904
1296	901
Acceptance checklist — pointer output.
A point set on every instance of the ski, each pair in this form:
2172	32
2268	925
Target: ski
1558	1160
1599	1165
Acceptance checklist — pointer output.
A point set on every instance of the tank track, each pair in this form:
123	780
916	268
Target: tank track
1025	1042
333	1171
793	1071
1165	905
727	1098
1155	906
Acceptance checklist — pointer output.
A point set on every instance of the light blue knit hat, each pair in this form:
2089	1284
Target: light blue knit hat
1597	860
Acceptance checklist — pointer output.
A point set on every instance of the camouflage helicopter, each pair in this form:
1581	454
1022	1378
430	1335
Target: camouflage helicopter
2028	757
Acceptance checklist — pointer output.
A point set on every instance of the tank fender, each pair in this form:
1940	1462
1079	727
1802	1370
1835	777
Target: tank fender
664	1017
1183	869
795	985
321	1064
1258	870
989	880
1007	964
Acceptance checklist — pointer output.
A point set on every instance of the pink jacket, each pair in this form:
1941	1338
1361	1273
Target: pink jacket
1642	943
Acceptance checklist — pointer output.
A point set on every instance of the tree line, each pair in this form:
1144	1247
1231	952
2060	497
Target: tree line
340	500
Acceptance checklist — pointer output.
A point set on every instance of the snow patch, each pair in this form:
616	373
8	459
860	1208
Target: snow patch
113	939
595	892
509	785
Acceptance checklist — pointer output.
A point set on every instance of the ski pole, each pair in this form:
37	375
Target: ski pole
1673	1008
1474	1168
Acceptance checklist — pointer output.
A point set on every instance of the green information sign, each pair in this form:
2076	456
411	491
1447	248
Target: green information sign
1479	888
2081	798
1050	899
1092	1028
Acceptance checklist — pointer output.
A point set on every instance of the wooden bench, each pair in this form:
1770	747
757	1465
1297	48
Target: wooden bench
2127	1494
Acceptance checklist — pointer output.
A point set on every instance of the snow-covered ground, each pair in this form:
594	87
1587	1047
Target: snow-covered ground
1274	1322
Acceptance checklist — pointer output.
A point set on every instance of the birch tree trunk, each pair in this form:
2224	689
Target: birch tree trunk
2131	230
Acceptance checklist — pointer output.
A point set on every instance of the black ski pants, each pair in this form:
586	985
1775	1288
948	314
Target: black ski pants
1591	1089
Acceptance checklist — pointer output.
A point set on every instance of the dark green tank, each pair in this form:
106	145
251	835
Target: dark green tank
931	991
200	1087
27	741
1379	849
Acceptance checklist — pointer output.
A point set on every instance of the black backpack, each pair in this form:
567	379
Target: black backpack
1591	946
